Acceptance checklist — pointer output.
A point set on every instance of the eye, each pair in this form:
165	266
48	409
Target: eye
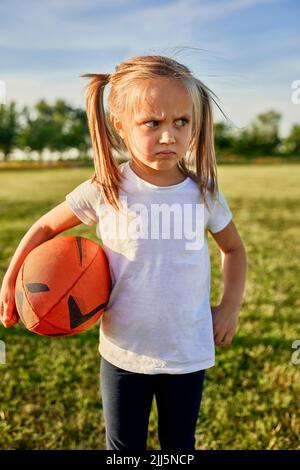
150	122
184	120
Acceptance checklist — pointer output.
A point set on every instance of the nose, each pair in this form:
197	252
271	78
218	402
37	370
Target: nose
167	137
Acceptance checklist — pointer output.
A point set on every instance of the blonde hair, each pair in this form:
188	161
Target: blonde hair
126	95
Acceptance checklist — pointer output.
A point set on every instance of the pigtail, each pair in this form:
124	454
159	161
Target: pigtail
205	150
206	164
202	143
107	174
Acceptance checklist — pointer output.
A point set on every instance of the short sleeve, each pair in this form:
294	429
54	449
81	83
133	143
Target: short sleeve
220	215
84	200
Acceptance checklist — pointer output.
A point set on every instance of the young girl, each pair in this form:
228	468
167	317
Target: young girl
158	332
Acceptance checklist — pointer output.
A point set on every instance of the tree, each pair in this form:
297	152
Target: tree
61	123
58	128
262	136
78	133
223	137
292	142
37	132
9	127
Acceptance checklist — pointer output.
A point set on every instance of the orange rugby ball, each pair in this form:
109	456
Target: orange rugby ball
63	286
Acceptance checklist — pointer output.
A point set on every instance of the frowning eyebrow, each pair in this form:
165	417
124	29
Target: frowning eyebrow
151	117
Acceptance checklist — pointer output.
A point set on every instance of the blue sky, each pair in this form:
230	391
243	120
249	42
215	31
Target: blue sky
246	51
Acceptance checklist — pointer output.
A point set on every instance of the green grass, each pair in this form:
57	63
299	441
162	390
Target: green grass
50	395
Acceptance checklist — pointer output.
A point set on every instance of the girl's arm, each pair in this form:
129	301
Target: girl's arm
57	220
234	267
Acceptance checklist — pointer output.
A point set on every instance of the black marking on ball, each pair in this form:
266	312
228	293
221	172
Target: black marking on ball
79	246
76	316
35	287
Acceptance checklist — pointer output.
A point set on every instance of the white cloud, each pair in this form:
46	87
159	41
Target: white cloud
53	25
27	89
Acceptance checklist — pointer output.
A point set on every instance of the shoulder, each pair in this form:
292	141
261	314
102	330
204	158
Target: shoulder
209	193
93	189
90	186
88	191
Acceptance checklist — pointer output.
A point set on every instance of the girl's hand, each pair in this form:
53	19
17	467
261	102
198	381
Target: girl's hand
225	322
8	312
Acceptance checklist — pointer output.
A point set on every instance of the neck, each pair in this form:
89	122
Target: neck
157	177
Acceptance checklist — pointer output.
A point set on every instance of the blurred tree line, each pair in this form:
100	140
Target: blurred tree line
61	127
260	139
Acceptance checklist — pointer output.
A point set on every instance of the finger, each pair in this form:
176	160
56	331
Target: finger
219	340
8	312
1	309
224	344
8	323
5	318
16	316
5	323
226	341
14	313
218	336
9	308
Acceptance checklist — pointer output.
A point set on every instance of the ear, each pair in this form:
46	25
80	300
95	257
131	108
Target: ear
118	126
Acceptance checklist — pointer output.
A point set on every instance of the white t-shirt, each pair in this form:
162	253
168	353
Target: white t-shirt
158	319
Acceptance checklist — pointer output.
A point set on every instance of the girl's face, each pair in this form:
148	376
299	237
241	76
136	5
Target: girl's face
163	124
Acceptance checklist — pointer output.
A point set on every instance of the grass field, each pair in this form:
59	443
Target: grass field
49	394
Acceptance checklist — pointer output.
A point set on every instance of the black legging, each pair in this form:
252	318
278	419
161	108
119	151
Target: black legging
127	399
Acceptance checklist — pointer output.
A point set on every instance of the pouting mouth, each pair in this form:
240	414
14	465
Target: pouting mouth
166	153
